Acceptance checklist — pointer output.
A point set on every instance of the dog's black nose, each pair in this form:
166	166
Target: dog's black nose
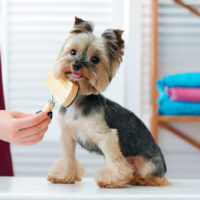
76	67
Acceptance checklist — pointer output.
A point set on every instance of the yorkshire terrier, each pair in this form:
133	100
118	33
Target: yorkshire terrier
97	123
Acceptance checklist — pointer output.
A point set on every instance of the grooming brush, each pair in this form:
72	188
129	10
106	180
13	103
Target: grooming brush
63	90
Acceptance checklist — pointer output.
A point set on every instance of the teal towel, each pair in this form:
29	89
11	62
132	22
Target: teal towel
168	107
180	80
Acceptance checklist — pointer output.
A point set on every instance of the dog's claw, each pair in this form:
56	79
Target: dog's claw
55	180
109	185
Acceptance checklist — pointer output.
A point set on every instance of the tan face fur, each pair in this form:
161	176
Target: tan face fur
88	60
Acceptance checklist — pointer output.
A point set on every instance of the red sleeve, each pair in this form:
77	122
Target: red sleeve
6	168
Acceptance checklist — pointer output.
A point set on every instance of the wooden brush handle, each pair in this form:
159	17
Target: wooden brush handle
49	106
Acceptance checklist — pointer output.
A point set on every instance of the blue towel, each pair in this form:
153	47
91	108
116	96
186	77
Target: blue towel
168	107
180	80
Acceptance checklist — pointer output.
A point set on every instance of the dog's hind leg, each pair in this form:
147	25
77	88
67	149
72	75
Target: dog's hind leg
144	170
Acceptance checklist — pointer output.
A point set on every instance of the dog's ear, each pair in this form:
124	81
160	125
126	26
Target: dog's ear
81	26
114	45
114	42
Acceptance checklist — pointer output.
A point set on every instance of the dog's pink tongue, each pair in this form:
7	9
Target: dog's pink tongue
76	75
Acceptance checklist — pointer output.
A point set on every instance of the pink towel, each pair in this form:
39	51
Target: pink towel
184	94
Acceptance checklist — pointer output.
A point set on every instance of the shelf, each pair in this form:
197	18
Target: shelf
164	118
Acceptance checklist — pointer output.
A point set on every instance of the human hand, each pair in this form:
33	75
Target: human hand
22	128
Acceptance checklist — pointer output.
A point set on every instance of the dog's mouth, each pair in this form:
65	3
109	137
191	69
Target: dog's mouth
76	75
82	80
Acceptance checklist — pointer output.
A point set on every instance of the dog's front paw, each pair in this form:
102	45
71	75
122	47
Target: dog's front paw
113	177
66	172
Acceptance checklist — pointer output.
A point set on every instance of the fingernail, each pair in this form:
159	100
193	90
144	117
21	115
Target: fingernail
38	112
50	114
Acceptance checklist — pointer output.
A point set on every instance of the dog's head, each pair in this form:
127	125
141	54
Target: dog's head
88	60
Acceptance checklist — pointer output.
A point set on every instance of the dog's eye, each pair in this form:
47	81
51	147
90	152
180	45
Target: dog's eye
95	59
73	52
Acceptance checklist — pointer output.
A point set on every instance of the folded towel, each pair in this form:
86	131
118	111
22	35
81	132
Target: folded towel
184	94
180	80
168	107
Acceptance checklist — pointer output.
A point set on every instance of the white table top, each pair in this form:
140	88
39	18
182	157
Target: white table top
25	188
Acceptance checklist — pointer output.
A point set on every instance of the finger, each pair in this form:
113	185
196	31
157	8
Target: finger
27	132
35	136
30	121
18	114
29	139
31	142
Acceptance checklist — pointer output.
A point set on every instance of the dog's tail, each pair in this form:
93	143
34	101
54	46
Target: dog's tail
153	181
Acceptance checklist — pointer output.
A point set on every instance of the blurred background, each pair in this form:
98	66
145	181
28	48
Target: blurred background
32	32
